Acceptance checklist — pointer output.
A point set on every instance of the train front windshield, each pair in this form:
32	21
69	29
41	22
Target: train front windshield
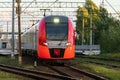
57	31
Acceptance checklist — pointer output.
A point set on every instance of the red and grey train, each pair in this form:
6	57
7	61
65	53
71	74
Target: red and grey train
53	38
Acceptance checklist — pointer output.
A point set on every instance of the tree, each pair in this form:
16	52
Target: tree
84	12
110	41
106	28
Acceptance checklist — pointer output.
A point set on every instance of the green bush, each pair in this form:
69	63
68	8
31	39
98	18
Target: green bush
110	41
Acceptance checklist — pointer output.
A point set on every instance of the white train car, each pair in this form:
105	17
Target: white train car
28	40
6	46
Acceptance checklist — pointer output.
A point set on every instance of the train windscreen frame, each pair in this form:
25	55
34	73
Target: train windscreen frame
57	31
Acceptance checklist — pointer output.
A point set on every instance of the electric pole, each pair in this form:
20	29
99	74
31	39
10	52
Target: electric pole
91	30
83	29
18	11
12	54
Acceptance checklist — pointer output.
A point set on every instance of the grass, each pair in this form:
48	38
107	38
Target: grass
8	76
109	62
109	55
8	60
111	73
13	62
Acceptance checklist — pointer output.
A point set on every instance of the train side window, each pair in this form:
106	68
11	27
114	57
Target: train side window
4	45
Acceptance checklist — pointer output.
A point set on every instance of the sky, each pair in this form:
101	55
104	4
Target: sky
107	4
114	3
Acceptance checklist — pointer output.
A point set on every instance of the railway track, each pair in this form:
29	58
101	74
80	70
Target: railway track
101	63
37	75
100	58
61	73
76	73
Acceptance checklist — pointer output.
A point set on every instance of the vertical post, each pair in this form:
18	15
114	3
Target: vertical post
83	32
19	32
7	33
12	54
44	10
91	30
83	29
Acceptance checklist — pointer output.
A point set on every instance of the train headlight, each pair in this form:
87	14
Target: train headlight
44	43
56	20
68	44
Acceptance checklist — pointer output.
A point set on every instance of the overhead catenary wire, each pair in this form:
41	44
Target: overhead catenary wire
112	8
37	6
28	6
52	3
48	7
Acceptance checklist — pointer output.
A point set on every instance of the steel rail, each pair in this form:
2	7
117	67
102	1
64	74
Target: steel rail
96	77
101	63
32	73
100	58
60	72
88	74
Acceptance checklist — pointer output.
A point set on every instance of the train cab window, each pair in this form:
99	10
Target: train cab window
57	31
4	45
